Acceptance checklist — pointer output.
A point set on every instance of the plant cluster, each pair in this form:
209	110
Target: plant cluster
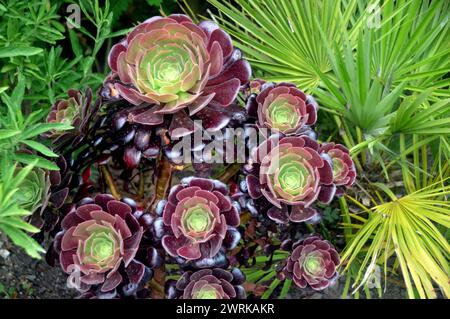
128	220
199	157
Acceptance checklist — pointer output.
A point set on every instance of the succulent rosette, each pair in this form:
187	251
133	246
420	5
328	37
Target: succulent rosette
201	219
282	108
213	283
344	172
66	111
75	110
291	175
312	263
98	238
64	185
33	191
173	64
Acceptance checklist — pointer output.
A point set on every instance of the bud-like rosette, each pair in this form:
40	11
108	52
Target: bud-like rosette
33	190
282	108
344	172
174	63
66	111
201	218
97	238
77	110
211	284
312	263
291	177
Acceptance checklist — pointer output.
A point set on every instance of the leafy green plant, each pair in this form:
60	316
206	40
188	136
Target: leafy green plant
360	66
403	231
32	42
280	37
22	188
369	87
11	214
18	130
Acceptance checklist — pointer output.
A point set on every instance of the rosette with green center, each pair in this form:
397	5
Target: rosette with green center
291	175
65	111
201	219
97	239
312	263
33	190
213	283
76	110
176	64
344	172
282	107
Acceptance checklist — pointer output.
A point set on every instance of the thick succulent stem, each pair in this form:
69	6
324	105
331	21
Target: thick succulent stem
141	188
229	173
110	181
162	185
156	286
163	181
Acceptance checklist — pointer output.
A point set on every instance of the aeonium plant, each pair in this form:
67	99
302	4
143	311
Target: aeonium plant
215	283
34	189
344	172
281	108
161	235
290	175
199	219
100	238
174	65
76	110
312	263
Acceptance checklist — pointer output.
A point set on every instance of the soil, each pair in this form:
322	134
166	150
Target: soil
26	278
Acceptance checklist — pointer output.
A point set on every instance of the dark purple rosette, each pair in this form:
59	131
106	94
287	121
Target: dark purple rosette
344	172
282	108
312	263
291	175
77	110
172	65
200	218
213	283
98	239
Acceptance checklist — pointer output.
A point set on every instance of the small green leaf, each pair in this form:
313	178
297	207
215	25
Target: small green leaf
154	3
4	134
40	148
15	212
45	127
76	48
286	286
16	222
12	51
41	162
270	289
19	238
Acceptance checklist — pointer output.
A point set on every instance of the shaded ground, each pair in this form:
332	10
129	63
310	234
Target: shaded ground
24	277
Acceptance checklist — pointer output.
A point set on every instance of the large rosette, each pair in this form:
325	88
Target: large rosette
98	238
291	176
201	218
174	63
282	108
312	263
